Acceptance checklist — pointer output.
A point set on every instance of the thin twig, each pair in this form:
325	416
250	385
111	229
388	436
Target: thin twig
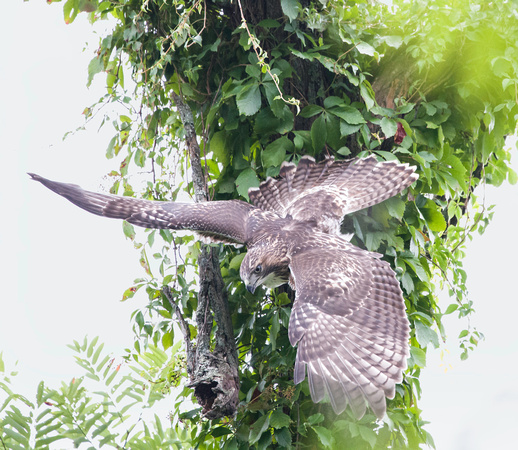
184	327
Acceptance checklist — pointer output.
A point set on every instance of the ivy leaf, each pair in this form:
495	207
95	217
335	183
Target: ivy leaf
290	8
346	129
319	133
267	123
333	101
248	99
349	114
310	111
388	126
274	153
246	179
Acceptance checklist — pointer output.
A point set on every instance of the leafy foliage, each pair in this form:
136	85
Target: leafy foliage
420	81
105	406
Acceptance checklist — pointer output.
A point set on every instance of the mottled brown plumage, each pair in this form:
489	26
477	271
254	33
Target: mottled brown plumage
348	319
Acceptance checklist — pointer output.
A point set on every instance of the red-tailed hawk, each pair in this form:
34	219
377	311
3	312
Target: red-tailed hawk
348	319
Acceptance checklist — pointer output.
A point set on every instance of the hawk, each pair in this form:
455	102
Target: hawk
348	319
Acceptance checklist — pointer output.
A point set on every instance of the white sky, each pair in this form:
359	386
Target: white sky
63	270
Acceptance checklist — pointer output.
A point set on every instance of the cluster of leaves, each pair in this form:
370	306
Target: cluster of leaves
422	82
105	406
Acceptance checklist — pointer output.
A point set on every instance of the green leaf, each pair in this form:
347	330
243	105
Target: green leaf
248	99
346	129
434	218
266	123
279	420
396	207
315	418
407	282
324	435
365	48
219	148
369	435
96	66
457	169
451	308
392	41
388	126
424	335
418	356
319	133
70	10
349	114
235	263
274	330
367	94
246	179
283	437
258	428
310	111
128	229
220	431
269	23
167	340
275	153
290	8
332	101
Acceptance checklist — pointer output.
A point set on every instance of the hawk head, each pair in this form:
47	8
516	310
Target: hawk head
264	265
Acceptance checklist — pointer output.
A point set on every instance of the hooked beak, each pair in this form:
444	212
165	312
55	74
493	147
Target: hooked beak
250	288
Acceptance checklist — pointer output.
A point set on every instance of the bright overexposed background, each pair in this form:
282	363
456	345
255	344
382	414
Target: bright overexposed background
63	270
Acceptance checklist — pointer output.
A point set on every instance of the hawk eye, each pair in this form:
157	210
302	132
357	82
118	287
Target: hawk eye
258	268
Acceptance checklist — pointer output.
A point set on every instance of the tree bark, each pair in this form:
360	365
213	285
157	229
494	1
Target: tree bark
213	373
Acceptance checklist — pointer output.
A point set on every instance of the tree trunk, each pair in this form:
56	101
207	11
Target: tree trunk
213	373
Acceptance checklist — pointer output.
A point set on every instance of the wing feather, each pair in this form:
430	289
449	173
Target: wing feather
349	323
324	192
223	221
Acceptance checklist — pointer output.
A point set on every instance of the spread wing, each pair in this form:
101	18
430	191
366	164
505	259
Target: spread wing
224	221
349	322
324	192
